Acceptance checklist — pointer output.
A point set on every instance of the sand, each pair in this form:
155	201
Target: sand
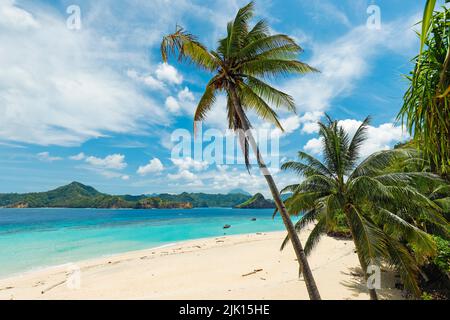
230	267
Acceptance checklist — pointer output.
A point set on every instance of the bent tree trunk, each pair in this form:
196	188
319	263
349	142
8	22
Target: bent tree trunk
372	292
311	286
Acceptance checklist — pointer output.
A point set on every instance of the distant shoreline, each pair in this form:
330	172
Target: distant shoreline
136	209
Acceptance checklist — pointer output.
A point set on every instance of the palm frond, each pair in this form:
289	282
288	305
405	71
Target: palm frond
206	102
370	241
314	236
188	48
270	68
355	145
251	100
270	94
309	217
404	262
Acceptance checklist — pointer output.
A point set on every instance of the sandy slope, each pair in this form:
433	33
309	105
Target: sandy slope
204	269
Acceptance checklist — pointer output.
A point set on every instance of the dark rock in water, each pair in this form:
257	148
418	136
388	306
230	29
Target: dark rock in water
227	226
253	219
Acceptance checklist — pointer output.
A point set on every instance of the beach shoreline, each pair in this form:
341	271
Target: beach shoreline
248	266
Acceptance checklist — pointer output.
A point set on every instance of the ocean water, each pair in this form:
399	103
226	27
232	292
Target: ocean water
36	238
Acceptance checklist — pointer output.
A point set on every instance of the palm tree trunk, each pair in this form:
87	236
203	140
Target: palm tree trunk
372	292
298	248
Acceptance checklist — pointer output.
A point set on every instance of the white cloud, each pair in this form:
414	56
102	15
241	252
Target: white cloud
379	138
172	104
56	87
46	157
14	17
78	157
289	125
113	161
154	166
310	120
189	163
186	95
167	73
147	80
110	174
182	175
314	146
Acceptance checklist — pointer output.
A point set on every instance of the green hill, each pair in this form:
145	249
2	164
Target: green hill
78	195
257	202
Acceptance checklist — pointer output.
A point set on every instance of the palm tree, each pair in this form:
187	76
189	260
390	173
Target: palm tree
244	59
379	208
427	21
426	105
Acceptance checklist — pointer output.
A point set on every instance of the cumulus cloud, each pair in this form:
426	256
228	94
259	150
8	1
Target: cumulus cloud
148	80
167	73
172	104
182	175
78	157
310	120
379	138
314	146
189	163
46	157
113	161
154	166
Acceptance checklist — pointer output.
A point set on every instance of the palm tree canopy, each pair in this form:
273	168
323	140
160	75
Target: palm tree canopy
426	106
245	59
381	208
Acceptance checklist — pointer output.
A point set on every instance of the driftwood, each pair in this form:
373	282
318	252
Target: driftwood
53	286
253	272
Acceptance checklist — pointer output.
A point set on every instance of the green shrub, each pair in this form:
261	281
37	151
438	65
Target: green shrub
442	259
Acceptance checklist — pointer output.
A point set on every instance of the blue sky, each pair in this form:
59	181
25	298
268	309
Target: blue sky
96	105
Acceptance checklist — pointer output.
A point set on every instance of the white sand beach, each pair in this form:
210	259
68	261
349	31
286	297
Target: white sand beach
230	267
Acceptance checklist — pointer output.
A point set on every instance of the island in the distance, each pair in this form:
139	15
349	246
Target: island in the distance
78	195
257	202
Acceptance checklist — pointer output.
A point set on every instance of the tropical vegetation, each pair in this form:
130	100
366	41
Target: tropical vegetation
78	195
378	200
240	66
426	108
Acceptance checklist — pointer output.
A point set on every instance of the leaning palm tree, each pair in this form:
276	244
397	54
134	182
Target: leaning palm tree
379	208
244	59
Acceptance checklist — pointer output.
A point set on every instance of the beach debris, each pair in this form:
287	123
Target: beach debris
227	226
6	288
53	286
253	272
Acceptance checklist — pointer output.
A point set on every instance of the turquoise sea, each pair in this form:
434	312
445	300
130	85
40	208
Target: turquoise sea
35	238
